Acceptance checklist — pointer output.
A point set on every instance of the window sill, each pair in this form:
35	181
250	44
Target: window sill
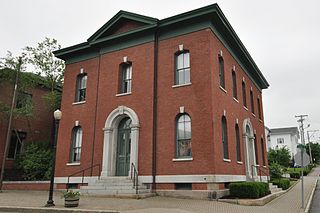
253	115
226	160
181	85
78	103
223	89
123	94
236	100
239	162
73	164
244	107
260	120
182	159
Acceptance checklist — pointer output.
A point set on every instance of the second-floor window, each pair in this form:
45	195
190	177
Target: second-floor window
23	100
251	101
81	88
244	95
234	85
221	72
125	78
182	71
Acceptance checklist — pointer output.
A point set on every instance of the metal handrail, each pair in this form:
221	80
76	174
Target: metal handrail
260	171
82	171
134	177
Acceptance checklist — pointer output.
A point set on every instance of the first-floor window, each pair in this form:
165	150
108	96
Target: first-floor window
280	140
224	137
76	144
263	150
238	143
256	149
16	144
183	142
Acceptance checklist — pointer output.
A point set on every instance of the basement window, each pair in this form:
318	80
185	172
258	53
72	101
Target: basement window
183	186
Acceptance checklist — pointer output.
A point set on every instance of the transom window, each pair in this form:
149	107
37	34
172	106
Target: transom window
224	137
76	144
81	88
182	75
183	142
126	78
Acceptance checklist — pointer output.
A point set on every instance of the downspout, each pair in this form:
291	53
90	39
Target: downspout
155	105
95	116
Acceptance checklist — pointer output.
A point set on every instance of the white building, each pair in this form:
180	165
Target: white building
283	137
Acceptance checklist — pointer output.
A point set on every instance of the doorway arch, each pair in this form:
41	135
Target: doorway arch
111	137
249	150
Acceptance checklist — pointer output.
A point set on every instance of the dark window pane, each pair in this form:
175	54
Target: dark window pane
238	144
224	138
221	72
234	85
244	96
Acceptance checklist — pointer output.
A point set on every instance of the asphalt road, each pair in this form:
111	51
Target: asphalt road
315	205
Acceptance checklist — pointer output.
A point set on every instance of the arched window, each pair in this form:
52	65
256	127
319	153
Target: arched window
263	152
125	81
183	132
244	96
234	85
76	144
81	88
251	101
224	137
221	72
182	70
259	109
238	148
256	149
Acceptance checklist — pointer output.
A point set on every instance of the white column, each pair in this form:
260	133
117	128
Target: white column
134	146
107	152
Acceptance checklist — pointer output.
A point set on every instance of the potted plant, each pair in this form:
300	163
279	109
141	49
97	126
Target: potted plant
71	198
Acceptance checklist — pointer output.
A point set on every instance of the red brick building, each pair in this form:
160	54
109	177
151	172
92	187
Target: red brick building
23	129
179	98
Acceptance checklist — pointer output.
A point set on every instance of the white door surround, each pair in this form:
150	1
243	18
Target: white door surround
249	149
110	139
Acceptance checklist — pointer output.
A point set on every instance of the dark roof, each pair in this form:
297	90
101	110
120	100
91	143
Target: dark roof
206	17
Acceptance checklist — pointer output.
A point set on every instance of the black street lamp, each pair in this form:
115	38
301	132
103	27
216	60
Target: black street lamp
57	116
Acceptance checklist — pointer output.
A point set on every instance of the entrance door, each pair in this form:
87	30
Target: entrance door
123	148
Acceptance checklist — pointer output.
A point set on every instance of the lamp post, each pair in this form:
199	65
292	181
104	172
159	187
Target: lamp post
57	116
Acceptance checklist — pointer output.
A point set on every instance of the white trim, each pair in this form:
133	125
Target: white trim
223	89
181	85
78	103
239	162
236	100
73	164
87	179
244	107
123	94
226	160
182	159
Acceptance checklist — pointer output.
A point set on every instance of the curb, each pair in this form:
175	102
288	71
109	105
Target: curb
307	209
51	210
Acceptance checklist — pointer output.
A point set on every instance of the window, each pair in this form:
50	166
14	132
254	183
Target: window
76	144
182	75
234	85
221	72
183	186
238	148
280	140
81	87
16	143
183	143
125	77
259	109
23	99
256	149
224	137
251	101
262	151
244	96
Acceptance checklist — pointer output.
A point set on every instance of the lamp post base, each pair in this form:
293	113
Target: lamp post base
50	203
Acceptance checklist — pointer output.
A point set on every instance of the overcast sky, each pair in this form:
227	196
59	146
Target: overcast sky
282	37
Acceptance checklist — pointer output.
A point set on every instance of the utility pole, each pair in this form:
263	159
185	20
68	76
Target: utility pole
10	121
310	152
302	145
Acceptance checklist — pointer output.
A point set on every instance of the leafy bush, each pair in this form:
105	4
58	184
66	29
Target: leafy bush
279	156
294	174
282	183
249	189
35	161
276	171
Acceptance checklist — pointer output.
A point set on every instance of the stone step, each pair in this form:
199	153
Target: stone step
111	187
112	184
113	192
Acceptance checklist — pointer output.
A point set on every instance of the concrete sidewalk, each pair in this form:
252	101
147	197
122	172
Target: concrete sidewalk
290	202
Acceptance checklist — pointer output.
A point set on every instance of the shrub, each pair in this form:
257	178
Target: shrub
249	189
35	161
276	170
282	183
294	174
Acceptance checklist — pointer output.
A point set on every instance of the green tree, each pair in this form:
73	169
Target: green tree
49	67
280	156
315	151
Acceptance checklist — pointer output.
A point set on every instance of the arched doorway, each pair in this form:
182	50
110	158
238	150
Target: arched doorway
121	140
123	147
250	160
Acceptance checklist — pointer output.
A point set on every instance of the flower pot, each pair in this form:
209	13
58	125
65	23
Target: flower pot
71	201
